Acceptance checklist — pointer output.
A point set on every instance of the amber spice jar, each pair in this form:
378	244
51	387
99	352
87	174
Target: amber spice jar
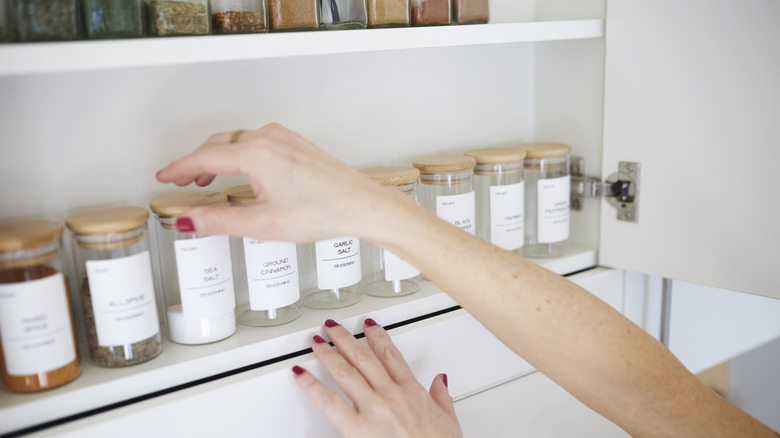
37	345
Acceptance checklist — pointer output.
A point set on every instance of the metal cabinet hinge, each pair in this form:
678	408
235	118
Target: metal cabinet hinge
621	188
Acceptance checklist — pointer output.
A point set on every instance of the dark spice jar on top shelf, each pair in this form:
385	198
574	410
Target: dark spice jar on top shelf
45	20
37	345
431	12
113	18
470	11
178	17
293	15
117	288
3	23
238	16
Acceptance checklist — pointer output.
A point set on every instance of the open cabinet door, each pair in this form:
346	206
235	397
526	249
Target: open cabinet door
692	93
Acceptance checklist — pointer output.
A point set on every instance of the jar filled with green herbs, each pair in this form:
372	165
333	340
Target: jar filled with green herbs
113	18
3	23
238	16
45	20
178	17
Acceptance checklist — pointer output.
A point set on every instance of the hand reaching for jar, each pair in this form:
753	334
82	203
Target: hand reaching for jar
386	399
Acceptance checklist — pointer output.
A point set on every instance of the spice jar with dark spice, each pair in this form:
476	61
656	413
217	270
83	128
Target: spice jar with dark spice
431	12
117	289
342	14
388	13
37	345
178	17
293	15
3	23
238	16
470	11
113	18
45	20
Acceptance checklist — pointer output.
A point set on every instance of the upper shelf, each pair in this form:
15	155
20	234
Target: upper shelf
57	57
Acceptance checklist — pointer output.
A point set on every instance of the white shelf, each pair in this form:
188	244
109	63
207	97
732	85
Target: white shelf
37	58
180	364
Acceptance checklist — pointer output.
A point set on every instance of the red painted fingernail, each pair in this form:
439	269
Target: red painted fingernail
318	339
298	370
185	224
370	322
331	323
444	380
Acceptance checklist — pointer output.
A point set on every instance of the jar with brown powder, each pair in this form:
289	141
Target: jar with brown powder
293	15
388	13
470	11
238	16
431	12
37	345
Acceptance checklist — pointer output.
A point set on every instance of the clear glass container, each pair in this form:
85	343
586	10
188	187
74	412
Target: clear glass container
388	13
266	271
116	284
4	31
470	11
500	192
386	274
547	199
338	268
238	16
113	18
178	17
446	189
293	15
342	14
45	20
37	344
196	273
431	12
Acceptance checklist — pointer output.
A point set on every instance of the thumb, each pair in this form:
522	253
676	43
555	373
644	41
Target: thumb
441	395
213	220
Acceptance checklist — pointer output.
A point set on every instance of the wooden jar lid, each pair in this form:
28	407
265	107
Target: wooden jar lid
496	155
174	204
545	150
241	195
392	175
445	163
28	234
107	220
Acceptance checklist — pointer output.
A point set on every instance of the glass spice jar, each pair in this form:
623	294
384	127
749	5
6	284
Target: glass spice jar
338	268
293	15
388	275
113	18
500	192
238	16
388	13
342	14
4	32
45	20
178	17
547	198
446	188
37	345
470	11
196	273
266	270
431	12
114	269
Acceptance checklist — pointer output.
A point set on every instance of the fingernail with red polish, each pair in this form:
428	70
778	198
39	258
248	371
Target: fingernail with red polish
185	224
370	322
298	370
331	323
444	380
318	339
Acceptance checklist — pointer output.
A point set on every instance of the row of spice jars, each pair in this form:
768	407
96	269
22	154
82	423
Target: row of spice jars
56	20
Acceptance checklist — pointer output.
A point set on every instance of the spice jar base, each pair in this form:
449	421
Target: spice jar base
330	299
267	318
390	289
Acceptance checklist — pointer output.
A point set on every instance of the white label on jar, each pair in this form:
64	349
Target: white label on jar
397	268
205	277
122	292
271	273
459	210
338	262
553	209
506	215
35	326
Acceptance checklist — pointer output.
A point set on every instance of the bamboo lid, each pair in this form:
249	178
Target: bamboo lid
545	150
445	163
496	155
174	204
107	220
392	175
241	195
28	234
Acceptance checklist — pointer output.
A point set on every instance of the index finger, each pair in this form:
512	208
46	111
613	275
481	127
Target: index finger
207	160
